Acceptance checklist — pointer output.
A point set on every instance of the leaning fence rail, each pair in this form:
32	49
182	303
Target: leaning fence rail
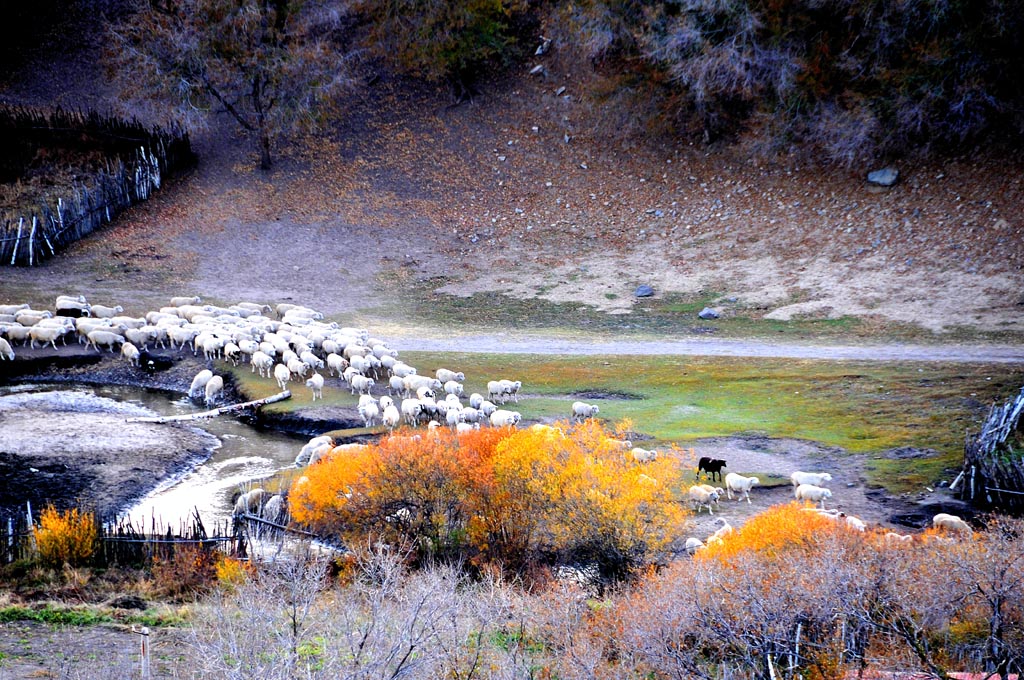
141	158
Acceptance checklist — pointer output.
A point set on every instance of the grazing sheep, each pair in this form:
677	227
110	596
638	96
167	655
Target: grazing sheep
108	339
463	428
693	545
503	418
12	309
275	510
621	444
30	317
444	375
6	352
951	523
739	484
263	362
199	383
813	478
141	337
856	523
414	382
402	370
306	452
711	466
713	489
282	375
250	502
316	384
453	387
232	352
893	537
487	408
131	353
501	390
182	301
582	410
722	531
425	392
105	312
476	399
214	390
643	455
68	306
701	497
17	333
815	494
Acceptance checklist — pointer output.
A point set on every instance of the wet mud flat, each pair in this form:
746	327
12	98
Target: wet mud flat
77	450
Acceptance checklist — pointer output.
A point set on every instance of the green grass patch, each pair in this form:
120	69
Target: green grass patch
54	616
254	387
862	407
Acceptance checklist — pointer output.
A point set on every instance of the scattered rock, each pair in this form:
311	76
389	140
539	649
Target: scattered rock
885	177
643	290
708	313
537	70
559	91
543	47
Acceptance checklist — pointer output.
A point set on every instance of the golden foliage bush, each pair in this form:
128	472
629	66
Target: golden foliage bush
66	537
498	495
775	531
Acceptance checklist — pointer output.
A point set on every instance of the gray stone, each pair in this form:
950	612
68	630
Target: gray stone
643	290
885	177
708	313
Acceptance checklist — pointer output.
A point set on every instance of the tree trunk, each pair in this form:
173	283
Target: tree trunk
265	160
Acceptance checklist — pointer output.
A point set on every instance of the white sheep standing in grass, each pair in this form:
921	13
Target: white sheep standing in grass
282	375
812	478
360	384
856	523
263	362
503	418
316	385
741	485
453	387
214	390
105	312
951	523
411	410
444	375
810	492
693	545
336	364
390	417
369	409
108	339
724	530
581	410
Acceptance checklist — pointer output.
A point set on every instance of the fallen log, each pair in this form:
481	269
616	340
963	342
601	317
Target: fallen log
281	396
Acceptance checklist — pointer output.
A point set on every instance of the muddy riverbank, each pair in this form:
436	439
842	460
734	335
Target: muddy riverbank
71	448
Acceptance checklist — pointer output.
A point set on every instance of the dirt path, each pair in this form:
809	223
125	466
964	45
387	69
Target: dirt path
546	344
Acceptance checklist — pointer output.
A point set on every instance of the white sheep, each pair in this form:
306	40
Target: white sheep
250	502
411	410
214	390
463	428
476	399
336	364
810	492
361	384
503	418
894	537
739	484
812	478
581	410
713	489
69	304
701	497
501	390
131	353
263	362
424	392
693	545
105	312
46	335
282	375
182	301
297	368
141	337
6	352
306	452
641	455
316	385
232	352
108	339
444	375
390	417
402	370
453	387
856	523
951	523
199	383
486	408
369	409
724	530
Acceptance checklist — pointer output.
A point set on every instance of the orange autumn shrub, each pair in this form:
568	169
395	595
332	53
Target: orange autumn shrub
775	531
66	537
497	495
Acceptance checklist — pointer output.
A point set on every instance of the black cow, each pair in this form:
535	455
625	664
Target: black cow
711	466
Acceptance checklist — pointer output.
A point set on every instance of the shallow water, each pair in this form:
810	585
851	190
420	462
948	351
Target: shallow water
241	455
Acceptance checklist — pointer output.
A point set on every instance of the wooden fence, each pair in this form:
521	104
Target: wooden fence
124	543
993	472
137	159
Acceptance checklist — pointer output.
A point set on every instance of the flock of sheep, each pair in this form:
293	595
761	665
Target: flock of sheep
298	343
807	486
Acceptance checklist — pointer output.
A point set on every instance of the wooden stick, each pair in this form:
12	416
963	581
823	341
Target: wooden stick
210	414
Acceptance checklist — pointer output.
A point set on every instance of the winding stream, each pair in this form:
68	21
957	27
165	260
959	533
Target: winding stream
240	454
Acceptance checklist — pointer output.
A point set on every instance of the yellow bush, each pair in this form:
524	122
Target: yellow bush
772	532
66	537
231	572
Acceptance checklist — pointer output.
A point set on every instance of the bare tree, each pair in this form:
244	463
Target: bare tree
269	64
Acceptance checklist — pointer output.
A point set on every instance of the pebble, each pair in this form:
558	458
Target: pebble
643	290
